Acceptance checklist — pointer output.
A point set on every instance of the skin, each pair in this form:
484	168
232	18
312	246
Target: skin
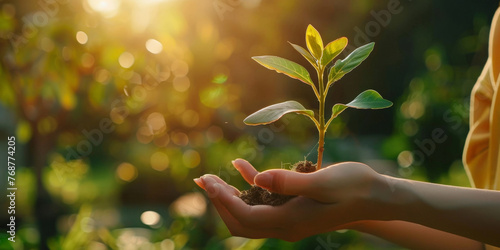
351	195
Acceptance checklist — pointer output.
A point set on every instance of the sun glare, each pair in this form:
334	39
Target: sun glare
108	8
151	1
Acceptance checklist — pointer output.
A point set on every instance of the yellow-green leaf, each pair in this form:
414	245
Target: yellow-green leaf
285	66
368	99
333	49
314	42
274	112
304	53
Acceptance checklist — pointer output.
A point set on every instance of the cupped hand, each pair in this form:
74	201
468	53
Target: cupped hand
328	199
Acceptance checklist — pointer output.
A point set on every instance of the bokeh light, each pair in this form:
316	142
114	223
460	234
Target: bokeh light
47	125
167	244
102	76
405	159
126	60
190	118
181	84
156	122
126	172
191	158
410	128
87	60
162	140
197	138
134	238
214	133
150	218
433	61
159	161
416	109
145	134
179	68
154	46
214	96
190	205
81	37
179	138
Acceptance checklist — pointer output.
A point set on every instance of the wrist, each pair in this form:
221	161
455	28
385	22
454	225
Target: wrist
391	198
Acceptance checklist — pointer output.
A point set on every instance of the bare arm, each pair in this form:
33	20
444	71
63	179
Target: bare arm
351	195
415	236
472	213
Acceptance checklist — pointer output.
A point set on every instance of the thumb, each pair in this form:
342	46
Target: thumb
286	182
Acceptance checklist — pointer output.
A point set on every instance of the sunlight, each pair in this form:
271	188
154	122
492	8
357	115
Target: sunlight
107	8
151	1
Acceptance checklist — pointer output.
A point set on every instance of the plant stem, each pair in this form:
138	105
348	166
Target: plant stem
321	129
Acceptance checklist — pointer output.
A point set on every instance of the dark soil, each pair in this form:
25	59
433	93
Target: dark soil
259	196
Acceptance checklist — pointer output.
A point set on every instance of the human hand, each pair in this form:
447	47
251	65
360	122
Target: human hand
328	199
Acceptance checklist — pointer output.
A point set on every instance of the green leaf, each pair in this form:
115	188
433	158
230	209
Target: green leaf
333	49
285	66
368	99
314	42
272	113
352	61
304	53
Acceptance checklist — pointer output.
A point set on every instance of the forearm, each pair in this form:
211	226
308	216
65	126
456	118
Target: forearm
415	236
471	213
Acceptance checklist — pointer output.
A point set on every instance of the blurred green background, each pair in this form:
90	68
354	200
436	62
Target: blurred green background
117	105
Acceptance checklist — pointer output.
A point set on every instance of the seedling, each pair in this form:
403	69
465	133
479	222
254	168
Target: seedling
319	57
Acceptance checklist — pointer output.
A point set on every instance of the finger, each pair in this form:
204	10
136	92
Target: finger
246	170
230	188
287	182
215	191
260	216
237	229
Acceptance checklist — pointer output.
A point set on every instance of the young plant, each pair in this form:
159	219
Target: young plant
319	57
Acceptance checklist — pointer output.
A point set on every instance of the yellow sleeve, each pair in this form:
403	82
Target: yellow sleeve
479	159
482	148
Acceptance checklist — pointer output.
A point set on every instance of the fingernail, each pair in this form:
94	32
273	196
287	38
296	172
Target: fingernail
199	182
238	162
209	184
235	164
264	180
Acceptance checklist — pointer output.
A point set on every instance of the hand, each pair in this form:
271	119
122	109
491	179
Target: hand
328	199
